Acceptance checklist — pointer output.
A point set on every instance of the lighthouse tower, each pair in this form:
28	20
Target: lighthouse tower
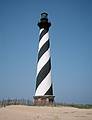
44	87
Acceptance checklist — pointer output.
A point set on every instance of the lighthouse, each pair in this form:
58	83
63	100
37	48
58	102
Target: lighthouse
44	86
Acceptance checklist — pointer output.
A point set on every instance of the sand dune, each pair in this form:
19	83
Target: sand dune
19	112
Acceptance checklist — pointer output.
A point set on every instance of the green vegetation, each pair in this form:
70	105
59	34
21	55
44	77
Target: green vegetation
81	106
4	103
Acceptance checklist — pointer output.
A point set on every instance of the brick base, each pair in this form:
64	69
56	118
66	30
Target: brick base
43	100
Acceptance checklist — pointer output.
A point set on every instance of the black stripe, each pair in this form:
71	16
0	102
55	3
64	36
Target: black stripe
42	34
43	49
50	91
43	73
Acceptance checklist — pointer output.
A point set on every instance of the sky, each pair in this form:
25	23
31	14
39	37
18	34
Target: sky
71	48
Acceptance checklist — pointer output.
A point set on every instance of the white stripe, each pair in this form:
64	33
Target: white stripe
43	40
41	30
44	85
43	60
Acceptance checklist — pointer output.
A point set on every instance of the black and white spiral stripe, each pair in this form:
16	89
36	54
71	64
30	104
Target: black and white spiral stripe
43	82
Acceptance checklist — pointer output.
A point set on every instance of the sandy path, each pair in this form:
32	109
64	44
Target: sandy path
19	112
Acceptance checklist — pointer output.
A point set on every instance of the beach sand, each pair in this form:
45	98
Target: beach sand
20	112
